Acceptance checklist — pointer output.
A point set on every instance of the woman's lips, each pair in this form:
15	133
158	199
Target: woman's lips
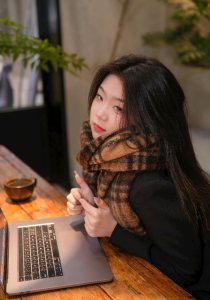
98	128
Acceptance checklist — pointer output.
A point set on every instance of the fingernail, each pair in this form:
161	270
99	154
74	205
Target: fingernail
75	172
97	200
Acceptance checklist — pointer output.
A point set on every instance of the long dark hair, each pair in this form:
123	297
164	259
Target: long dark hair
155	104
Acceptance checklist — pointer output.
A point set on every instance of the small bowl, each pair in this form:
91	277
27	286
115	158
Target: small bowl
19	188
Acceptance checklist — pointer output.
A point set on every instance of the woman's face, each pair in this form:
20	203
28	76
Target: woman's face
107	106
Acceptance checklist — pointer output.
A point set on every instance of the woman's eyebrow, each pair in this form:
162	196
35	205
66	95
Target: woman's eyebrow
121	100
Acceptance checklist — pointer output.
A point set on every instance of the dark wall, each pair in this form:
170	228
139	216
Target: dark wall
25	133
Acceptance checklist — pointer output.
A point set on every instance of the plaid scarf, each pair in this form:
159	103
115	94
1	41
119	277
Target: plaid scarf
110	164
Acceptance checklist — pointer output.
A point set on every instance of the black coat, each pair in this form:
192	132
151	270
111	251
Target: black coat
172	244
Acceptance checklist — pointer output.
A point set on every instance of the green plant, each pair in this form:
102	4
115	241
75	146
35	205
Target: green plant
15	44
190	36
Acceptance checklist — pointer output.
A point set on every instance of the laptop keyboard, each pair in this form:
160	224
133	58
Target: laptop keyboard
38	253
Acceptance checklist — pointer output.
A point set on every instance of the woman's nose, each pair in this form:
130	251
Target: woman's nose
102	113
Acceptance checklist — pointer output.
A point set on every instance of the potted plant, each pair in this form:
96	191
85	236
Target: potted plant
15	43
190	34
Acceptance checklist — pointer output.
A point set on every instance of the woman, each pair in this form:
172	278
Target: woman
153	199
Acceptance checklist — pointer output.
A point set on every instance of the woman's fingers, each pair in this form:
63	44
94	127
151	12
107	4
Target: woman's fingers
73	205
73	213
81	182
85	190
74	209
74	196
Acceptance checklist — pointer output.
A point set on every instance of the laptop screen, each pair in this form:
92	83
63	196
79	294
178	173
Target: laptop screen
3	233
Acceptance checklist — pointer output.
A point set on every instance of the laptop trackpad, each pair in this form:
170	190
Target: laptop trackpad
78	245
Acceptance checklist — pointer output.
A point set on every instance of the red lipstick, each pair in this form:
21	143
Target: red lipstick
98	128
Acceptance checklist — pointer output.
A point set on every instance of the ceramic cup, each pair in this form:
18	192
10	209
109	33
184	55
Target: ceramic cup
19	188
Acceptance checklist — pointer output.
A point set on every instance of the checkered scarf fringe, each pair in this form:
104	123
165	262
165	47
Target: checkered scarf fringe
110	164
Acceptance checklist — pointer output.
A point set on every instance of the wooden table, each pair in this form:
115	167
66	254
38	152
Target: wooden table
134	278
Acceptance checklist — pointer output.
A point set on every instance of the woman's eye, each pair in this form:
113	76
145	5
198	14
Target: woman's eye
118	109
98	97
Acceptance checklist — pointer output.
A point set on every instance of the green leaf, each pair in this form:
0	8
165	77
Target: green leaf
75	65
80	60
32	64
85	66
15	56
38	67
185	16
202	5
45	68
55	65
5	21
72	72
52	50
73	55
25	62
79	67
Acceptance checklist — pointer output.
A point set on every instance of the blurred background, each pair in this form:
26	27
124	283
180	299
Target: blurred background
41	113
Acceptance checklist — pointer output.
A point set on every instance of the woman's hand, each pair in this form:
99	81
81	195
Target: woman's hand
99	222
73	205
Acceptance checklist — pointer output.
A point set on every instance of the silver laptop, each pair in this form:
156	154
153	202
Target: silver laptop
46	254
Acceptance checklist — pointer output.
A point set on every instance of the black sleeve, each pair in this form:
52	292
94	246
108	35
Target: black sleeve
171	243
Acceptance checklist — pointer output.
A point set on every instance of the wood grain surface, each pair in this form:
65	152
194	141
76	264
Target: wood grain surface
134	278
